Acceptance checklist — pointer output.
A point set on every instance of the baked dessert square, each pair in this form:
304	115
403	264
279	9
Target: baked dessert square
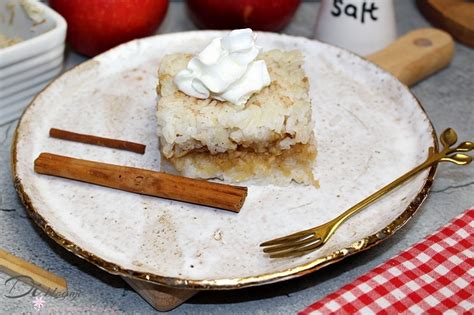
269	140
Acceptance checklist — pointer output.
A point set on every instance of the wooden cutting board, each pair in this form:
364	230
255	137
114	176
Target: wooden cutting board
410	58
454	16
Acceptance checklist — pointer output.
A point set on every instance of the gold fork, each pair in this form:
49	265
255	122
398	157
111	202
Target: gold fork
304	242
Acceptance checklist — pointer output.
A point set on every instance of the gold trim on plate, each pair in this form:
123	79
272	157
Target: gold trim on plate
231	283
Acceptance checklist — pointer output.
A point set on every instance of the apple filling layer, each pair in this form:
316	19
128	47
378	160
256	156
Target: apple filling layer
292	164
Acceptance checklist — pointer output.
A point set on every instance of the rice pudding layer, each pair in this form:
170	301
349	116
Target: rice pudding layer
270	140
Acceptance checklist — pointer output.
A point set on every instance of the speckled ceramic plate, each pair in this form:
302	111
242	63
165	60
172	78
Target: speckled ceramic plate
369	128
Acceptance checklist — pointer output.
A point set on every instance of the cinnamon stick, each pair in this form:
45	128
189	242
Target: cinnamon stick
100	141
143	181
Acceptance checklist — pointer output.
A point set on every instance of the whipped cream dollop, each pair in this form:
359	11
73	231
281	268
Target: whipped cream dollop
226	70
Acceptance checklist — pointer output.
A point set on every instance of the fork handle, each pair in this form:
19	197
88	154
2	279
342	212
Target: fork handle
432	159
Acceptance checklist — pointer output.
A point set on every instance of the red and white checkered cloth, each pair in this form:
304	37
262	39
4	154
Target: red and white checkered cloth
435	276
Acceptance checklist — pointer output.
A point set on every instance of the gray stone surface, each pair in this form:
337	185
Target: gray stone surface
449	101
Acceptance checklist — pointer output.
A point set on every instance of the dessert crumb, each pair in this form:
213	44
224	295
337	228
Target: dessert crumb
218	235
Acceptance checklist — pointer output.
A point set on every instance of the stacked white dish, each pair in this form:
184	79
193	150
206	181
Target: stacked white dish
27	66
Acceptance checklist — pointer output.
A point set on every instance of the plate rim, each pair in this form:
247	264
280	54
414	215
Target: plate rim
224	283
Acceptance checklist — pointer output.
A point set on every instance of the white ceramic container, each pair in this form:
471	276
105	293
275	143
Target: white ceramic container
26	67
360	26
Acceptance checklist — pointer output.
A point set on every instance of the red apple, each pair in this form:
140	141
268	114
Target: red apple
265	15
98	25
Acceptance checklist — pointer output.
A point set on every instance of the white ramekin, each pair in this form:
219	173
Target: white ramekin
26	67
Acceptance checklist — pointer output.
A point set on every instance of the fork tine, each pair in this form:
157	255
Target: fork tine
286	240
298	251
294	236
283	246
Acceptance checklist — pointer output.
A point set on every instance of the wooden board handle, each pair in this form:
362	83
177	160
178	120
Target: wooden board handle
31	274
416	55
